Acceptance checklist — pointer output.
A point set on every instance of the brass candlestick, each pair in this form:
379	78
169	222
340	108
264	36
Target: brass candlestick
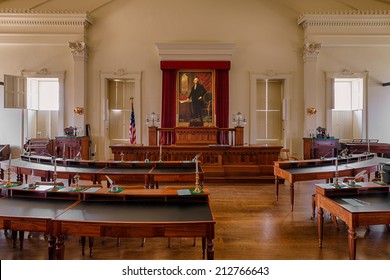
382	176
76	180
55	181
197	189
8	184
336	174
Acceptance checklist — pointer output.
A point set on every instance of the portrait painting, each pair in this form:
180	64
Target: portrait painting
195	98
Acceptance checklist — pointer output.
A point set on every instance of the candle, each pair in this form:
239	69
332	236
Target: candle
94	151
9	164
55	165
160	150
63	151
196	165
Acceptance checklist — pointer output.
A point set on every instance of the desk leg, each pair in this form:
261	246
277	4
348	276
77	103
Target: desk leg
352	243
82	239
52	247
277	187
210	242
203	247
292	195
210	249
90	244
60	247
320	224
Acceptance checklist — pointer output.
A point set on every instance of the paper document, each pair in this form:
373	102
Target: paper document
183	192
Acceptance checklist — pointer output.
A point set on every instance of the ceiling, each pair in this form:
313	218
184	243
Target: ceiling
297	6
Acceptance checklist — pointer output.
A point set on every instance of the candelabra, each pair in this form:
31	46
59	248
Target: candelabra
76	181
55	174
153	119
197	188
382	173
9	184
336	173
239	119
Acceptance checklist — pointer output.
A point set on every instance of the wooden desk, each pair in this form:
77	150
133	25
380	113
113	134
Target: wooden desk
136	220
318	147
307	170
379	148
95	171
29	214
129	213
182	172
355	210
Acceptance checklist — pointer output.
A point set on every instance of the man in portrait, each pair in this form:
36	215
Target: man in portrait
196	97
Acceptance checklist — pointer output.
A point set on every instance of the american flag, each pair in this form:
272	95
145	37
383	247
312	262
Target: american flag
132	129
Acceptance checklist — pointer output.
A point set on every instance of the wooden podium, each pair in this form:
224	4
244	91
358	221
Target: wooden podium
196	135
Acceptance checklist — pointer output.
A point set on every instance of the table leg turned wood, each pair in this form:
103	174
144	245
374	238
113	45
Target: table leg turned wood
52	247
352	243
320	225
60	247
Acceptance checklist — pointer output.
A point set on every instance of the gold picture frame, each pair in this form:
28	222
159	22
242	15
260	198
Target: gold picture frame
195	105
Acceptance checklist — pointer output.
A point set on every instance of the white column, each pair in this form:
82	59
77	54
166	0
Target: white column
80	58
310	91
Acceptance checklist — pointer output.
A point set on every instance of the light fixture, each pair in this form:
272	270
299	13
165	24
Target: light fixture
239	119
311	111
78	110
153	119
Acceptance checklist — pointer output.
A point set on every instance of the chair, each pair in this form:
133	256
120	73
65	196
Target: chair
284	155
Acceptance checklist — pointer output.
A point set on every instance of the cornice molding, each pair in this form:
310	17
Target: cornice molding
351	18
347	28
195	51
32	27
52	18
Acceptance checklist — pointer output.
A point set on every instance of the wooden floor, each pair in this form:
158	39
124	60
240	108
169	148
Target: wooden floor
251	225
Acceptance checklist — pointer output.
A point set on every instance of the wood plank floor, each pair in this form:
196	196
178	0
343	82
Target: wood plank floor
251	225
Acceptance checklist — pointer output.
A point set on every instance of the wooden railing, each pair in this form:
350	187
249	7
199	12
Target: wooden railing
196	136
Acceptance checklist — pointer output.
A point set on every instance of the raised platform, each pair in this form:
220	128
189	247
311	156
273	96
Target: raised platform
219	162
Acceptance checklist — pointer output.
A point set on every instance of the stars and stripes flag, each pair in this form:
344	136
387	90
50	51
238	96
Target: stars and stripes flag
132	129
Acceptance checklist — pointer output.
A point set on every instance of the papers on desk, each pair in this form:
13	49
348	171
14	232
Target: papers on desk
44	188
66	189
94	189
183	192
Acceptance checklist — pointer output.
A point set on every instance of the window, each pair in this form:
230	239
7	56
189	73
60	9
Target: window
41	96
119	94
347	112
269	111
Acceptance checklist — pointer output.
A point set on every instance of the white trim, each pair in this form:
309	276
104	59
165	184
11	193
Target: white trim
197	51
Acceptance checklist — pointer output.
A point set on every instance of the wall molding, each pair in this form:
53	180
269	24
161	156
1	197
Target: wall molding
42	27
195	51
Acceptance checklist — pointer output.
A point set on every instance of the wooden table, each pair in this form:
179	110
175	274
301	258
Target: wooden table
29	214
126	213
307	170
136	219
355	210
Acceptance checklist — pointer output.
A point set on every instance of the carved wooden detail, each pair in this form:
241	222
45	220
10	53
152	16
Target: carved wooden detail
218	161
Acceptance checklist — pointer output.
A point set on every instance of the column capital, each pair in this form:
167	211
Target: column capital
311	50
79	50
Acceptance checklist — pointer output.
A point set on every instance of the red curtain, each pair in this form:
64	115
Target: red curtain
170	68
